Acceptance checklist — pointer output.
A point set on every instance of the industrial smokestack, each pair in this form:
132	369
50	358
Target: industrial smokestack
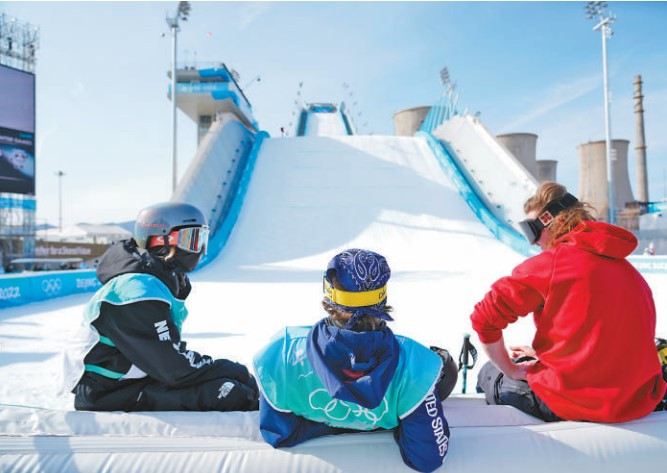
642	173
593	175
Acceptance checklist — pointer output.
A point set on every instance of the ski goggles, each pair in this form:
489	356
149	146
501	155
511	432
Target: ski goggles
532	228
354	299
190	239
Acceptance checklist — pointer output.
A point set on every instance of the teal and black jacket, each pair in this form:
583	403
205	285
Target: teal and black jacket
131	331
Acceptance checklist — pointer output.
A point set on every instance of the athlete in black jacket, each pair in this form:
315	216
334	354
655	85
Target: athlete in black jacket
140	362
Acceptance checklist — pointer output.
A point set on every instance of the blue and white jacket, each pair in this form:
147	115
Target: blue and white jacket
324	380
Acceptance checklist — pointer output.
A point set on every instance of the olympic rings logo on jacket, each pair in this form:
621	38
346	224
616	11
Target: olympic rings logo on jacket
336	409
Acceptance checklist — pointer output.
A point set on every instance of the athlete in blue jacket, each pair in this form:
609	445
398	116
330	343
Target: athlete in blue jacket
349	372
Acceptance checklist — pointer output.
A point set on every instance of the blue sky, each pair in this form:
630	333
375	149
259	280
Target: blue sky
104	119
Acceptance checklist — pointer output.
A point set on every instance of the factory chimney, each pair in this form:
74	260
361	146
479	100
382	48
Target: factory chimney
642	175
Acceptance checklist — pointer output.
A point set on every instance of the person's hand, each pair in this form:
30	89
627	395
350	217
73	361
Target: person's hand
520	370
519	351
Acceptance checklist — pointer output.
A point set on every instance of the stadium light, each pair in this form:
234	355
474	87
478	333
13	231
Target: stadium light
182	13
254	81
598	11
444	76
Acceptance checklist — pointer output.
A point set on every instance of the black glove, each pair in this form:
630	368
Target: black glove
448	374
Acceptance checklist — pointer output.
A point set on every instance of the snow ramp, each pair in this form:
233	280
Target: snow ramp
301	201
311	197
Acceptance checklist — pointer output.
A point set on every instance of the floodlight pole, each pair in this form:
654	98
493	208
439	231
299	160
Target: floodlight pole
60	175
182	13
173	26
611	218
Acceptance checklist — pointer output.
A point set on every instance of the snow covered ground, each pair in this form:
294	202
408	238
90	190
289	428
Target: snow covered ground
308	199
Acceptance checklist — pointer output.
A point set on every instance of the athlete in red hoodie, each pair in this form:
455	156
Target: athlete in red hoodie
593	357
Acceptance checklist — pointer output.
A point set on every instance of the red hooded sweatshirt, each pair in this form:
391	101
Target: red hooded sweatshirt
595	320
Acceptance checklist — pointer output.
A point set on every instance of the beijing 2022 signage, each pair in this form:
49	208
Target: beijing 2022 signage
17	131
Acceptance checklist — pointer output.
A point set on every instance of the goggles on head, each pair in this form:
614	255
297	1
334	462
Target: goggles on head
532	228
354	299
190	239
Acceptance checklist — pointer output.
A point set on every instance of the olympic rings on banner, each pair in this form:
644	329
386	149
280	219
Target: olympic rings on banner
52	286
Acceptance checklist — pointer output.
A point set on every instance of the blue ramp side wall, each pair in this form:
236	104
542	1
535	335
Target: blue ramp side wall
494	174
505	234
211	179
303	118
342	112
24	288
219	239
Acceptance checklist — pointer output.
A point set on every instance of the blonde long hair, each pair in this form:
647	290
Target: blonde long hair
565	221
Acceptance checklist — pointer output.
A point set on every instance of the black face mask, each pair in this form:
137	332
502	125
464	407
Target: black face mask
184	261
532	228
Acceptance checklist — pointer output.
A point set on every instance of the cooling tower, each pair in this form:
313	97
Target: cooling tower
407	122
546	170
593	175
523	146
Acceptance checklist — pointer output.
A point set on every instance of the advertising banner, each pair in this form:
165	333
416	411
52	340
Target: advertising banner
25	288
17	131
85	251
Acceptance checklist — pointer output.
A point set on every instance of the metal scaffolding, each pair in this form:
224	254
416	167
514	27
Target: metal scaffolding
19	42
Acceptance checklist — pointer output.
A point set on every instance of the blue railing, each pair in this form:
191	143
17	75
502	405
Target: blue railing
201	87
441	111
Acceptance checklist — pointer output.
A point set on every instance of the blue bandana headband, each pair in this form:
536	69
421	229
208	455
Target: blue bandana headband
362	277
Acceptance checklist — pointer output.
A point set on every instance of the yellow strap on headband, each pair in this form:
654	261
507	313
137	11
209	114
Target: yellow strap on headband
354	299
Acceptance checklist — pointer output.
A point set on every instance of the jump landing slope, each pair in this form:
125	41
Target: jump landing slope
309	198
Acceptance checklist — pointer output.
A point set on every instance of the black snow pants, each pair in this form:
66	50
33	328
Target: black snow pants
97	393
503	390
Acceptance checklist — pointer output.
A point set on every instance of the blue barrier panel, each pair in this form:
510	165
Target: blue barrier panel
215	72
24	288
649	264
217	243
655	207
16	203
225	94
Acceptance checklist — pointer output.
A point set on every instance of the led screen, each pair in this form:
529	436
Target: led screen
17	131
